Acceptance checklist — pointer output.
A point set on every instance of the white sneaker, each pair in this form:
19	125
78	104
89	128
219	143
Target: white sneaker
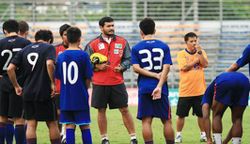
178	139
203	138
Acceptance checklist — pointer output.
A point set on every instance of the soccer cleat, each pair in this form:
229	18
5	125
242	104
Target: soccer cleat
134	141
63	139
203	138
178	139
105	141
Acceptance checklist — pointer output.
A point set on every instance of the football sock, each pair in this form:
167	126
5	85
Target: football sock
2	132
86	136
236	140
70	136
104	136
133	136
178	133
9	132
19	134
203	133
217	138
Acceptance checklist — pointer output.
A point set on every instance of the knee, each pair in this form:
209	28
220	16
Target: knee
124	111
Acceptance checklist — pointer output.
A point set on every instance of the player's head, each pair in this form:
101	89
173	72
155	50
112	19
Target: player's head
44	35
191	40
23	29
63	33
10	26
106	25
74	35
147	26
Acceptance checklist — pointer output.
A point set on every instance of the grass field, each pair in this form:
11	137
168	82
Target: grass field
118	134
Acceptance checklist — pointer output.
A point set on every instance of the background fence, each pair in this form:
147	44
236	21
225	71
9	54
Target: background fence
222	25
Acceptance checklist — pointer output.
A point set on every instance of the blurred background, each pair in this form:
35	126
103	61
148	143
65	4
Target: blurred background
223	26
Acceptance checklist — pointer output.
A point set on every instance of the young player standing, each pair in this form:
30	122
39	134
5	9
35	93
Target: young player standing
74	70
151	60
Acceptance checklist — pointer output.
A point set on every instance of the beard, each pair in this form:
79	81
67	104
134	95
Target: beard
109	33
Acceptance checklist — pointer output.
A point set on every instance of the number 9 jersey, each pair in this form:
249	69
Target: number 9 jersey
151	55
32	60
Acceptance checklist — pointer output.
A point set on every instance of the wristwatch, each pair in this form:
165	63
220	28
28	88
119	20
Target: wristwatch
199	52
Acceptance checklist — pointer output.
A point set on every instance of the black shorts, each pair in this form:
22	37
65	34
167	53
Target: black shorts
185	104
57	101
115	96
11	105
40	110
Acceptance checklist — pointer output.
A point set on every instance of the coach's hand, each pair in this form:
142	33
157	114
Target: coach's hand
19	90
101	67
156	94
118	68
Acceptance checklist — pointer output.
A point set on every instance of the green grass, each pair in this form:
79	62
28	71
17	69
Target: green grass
118	133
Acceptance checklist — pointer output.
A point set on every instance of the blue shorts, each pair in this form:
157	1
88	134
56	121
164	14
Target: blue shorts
232	94
153	108
75	117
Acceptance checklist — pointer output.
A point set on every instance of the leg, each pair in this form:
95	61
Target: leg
102	121
147	130
218	110
31	131
237	114
86	134
168	131
70	133
127	120
54	133
180	123
19	130
207	122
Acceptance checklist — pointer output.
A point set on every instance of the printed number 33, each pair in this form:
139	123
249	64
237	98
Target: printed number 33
149	59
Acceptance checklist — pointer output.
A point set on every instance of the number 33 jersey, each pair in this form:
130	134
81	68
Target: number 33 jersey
151	55
32	61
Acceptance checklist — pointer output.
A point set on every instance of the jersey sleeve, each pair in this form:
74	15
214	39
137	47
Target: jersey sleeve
167	56
57	70
181	60
17	59
51	54
245	58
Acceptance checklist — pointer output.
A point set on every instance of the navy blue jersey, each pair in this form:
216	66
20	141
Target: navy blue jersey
245	58
229	88
151	55
9	46
73	68
32	61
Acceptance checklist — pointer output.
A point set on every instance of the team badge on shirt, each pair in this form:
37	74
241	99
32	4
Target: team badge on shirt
118	45
101	46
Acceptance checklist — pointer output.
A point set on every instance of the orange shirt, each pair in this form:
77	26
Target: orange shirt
192	82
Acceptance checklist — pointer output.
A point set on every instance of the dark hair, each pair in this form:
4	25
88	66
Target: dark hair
105	19
63	28
23	26
73	34
189	35
45	35
11	26
147	26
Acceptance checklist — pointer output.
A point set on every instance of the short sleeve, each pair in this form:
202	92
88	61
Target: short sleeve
134	56
245	58
51	54
167	56
88	66
17	60
181	60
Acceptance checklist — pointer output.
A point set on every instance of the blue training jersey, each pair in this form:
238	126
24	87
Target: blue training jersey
230	80
151	55
73	68
245	58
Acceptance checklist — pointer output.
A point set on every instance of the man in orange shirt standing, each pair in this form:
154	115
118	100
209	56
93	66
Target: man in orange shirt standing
191	62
